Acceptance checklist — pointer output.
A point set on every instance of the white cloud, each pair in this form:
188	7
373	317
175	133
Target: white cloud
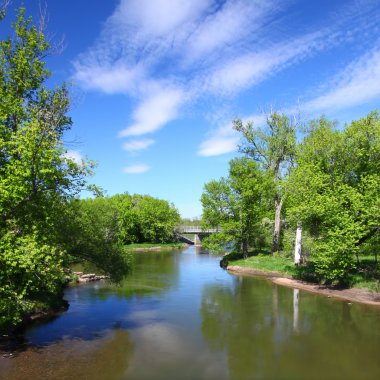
357	84
233	22
73	155
136	169
220	141
157	18
247	70
154	112
225	139
165	54
110	80
136	145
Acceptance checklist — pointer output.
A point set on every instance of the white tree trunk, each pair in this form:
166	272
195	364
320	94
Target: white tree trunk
296	297
297	248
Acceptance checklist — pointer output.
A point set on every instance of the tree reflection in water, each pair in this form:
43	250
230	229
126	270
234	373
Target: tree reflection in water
271	332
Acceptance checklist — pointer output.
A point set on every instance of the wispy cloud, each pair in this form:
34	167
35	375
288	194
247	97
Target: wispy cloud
228	28
136	169
357	84
221	141
159	52
137	145
166	55
248	70
225	139
111	79
154	112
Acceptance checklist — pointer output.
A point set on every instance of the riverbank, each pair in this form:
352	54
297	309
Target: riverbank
352	294
153	246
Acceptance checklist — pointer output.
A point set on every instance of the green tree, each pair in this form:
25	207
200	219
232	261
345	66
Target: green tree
335	192
35	177
273	148
237	205
90	231
157	218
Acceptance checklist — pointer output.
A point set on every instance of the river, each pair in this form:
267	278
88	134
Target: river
180	316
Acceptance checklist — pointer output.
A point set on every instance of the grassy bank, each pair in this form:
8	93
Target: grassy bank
268	263
365	276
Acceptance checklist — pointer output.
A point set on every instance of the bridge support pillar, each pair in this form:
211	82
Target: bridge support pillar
197	240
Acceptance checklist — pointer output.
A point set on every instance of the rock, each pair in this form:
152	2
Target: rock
90	275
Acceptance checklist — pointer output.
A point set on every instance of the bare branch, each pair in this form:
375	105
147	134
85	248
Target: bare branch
5	4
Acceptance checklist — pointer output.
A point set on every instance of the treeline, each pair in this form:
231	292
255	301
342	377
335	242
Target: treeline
314	178
44	227
123	219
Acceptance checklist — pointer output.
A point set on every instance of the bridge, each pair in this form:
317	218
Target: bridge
197	231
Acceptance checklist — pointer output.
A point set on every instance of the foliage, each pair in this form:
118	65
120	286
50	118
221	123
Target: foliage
336	193
236	205
143	218
331	180
273	147
157	219
90	231
35	177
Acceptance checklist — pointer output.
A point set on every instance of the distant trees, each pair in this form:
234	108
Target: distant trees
98	229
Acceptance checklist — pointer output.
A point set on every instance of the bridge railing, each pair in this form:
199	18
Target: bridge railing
195	230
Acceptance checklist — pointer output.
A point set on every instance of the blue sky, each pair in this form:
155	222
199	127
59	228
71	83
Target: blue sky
157	83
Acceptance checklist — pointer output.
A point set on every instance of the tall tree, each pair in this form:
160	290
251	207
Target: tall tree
335	192
35	177
237	205
272	146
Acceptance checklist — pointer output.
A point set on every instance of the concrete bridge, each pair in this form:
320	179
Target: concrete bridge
197	231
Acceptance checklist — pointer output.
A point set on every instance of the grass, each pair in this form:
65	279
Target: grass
268	263
366	276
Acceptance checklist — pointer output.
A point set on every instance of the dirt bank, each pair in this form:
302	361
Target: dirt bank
352	295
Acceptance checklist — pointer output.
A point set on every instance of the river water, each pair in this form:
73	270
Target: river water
180	316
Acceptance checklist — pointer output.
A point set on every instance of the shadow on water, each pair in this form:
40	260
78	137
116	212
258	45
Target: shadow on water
91	339
96	308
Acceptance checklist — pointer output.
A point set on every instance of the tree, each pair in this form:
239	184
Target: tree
236	205
35	178
273	148
157	218
335	192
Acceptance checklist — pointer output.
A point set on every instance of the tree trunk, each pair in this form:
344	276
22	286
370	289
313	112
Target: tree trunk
244	247
277	224
298	244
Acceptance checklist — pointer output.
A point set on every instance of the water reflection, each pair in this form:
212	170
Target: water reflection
270	332
180	316
153	272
